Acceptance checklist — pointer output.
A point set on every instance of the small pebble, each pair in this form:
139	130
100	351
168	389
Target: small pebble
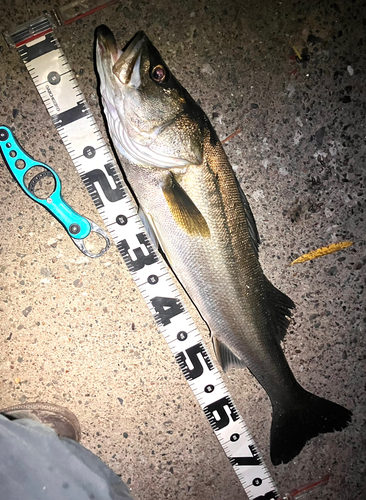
126	12
350	70
290	90
78	283
27	310
206	68
319	136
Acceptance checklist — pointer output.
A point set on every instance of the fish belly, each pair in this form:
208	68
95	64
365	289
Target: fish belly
223	277
221	274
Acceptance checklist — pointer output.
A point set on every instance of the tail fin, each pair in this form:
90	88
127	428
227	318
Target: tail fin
293	427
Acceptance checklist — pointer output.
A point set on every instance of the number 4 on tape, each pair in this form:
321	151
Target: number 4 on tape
93	160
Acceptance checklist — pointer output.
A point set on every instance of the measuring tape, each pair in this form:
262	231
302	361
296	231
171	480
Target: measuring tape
56	84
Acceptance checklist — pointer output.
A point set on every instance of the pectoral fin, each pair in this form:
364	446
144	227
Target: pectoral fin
151	229
149	226
224	355
184	211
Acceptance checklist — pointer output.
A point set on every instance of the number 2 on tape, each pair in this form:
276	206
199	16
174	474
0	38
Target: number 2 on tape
92	158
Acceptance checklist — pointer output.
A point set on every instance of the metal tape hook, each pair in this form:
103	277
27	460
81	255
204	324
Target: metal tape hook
95	229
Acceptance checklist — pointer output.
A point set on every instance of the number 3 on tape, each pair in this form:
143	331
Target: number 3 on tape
68	109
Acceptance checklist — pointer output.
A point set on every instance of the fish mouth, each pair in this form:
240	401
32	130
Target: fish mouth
127	68
124	64
107	44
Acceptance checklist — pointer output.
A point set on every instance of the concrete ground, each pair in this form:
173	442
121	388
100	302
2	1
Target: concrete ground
75	331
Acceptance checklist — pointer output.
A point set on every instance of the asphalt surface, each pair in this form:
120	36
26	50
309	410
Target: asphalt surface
76	332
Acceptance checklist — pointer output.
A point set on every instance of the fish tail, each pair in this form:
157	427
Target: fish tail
310	416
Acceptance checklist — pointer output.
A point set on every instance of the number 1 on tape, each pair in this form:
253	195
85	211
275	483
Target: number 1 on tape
56	84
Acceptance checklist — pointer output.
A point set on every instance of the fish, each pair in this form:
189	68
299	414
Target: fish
197	214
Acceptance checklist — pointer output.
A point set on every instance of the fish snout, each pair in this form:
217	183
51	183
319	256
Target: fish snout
106	44
127	68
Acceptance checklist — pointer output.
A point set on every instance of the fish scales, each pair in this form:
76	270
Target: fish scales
193	207
221	273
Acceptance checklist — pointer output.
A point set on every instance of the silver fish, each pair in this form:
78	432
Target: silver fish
197	213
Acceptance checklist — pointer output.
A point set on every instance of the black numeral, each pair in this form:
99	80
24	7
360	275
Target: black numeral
141	259
270	495
219	408
98	176
166	308
253	459
192	354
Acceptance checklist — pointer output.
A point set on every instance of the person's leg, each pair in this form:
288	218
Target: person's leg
36	463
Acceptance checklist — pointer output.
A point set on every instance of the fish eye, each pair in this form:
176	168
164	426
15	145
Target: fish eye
158	74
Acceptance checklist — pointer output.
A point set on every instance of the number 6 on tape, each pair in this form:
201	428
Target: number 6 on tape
45	60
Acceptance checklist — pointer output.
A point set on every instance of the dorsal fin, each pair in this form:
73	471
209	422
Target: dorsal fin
184	211
252	226
281	306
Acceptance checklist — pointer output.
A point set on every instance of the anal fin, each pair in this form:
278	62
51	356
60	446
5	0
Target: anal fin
224	355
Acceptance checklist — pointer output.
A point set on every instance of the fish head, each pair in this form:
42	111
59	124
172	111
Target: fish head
152	119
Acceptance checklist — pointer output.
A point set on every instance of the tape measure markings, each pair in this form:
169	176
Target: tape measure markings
96	166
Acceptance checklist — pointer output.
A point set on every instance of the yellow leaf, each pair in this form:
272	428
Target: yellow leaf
297	53
320	252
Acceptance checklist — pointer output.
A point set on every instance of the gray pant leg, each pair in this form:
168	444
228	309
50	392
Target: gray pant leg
35	464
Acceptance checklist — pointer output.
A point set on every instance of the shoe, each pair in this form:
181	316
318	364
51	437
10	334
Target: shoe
60	419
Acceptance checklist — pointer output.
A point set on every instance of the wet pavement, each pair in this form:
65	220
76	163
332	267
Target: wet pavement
76	332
